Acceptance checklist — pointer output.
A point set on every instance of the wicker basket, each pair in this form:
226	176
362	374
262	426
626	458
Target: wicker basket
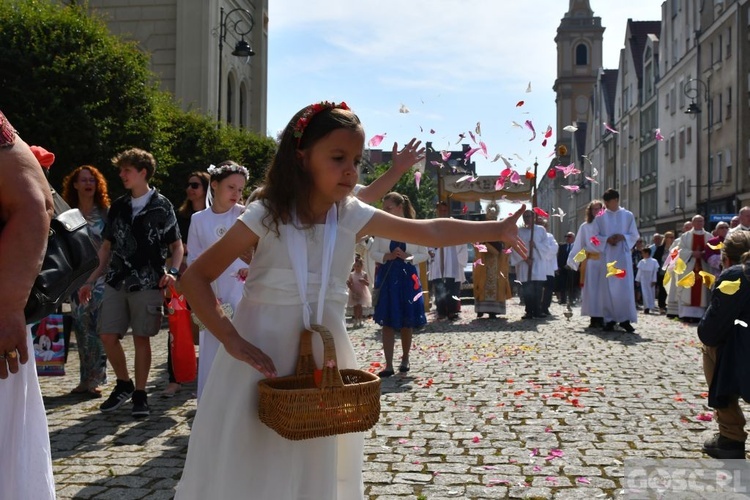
296	408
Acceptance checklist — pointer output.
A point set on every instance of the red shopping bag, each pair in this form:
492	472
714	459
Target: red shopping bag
182	349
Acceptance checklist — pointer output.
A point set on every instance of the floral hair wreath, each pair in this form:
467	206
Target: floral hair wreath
213	170
310	112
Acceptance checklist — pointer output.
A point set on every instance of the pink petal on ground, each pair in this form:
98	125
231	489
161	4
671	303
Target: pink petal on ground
475	439
583	480
705	417
536	468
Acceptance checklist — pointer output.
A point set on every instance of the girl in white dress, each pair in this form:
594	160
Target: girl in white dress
304	227
228	179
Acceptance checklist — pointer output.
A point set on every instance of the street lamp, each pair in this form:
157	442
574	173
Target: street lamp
692	90
242	26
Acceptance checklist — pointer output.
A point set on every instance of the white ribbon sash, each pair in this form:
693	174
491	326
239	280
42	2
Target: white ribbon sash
296	244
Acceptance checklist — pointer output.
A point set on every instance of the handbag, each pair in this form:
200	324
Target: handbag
181	346
51	339
69	260
376	290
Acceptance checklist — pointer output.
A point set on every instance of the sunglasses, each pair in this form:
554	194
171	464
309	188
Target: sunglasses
194	185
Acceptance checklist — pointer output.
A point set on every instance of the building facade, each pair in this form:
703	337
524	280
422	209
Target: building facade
182	38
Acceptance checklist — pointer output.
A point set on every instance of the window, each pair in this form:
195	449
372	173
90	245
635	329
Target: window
729	103
711	53
721	107
718	171
681	193
719	48
681	86
582	55
681	146
675	4
728	161
689	135
666	194
667	97
689	188
672	101
672	144
728	50
230	100
243	105
672	195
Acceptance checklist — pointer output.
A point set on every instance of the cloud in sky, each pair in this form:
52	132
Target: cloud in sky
451	62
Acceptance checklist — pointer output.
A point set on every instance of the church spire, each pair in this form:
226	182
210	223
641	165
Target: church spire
579	8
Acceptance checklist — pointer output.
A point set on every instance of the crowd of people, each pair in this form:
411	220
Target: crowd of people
256	272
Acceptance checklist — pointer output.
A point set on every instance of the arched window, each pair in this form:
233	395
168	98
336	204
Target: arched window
582	55
243	105
230	100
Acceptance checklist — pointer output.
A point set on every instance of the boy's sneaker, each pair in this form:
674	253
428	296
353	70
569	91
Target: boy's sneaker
140	404
121	394
724	448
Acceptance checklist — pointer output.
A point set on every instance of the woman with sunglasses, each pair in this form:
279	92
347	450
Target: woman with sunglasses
86	189
195	201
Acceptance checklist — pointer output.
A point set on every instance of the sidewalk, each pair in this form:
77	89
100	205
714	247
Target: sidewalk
490	409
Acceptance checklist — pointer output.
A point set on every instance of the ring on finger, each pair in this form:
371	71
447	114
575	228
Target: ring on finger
11	354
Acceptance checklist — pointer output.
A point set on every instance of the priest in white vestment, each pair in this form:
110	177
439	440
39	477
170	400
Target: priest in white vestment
617	234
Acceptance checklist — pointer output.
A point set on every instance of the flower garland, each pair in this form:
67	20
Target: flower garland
310	112
233	168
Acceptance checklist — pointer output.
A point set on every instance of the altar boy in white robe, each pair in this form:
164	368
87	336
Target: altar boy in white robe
531	272
648	269
617	233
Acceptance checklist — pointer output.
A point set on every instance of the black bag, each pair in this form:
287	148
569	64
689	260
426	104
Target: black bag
70	259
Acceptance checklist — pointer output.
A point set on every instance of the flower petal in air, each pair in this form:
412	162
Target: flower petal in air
445	155
416	297
520	103
540	212
465	209
515	178
729	287
470	152
610	128
417	178
657	135
484	148
573	188
595	241
529	175
530	126
478	129
469	178
708	279
480	247
715	247
687	281
478	262
403	109
497	157
548	132
570	128
376	140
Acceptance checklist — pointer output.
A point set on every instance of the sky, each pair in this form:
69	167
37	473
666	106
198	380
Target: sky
450	63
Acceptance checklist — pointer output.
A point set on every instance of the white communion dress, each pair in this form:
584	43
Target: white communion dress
232	455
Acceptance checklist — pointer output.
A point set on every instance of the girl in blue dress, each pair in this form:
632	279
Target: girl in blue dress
400	305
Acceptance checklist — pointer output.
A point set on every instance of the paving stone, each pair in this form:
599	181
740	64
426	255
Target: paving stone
484	405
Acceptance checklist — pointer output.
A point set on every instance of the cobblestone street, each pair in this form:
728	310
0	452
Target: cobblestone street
490	409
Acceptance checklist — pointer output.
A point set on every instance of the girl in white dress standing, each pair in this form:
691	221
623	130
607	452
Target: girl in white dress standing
228	179
304	227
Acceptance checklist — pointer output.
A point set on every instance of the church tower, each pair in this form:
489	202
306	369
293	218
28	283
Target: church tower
579	58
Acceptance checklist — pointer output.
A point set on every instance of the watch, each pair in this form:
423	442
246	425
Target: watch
174	272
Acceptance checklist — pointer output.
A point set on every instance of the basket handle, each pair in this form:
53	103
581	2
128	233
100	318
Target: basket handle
306	363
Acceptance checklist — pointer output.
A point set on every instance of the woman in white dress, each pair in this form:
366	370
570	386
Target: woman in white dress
228	180
305	219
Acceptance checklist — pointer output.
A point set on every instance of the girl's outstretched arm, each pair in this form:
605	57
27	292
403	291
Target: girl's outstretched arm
196	285
403	160
444	232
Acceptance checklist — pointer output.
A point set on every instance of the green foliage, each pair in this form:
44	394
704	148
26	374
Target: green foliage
70	86
423	199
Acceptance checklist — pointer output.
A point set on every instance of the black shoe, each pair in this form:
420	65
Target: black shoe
479	315
140	404
385	373
121	394
453	317
609	327
596	322
724	448
647	311
492	315
546	312
527	316
627	327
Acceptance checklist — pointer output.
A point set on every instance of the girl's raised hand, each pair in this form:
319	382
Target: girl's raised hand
406	158
247	352
509	233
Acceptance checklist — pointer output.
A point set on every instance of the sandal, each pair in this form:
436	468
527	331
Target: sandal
403	368
385	373
171	390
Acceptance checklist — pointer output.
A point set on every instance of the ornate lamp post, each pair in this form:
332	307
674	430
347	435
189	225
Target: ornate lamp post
241	27
693	89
